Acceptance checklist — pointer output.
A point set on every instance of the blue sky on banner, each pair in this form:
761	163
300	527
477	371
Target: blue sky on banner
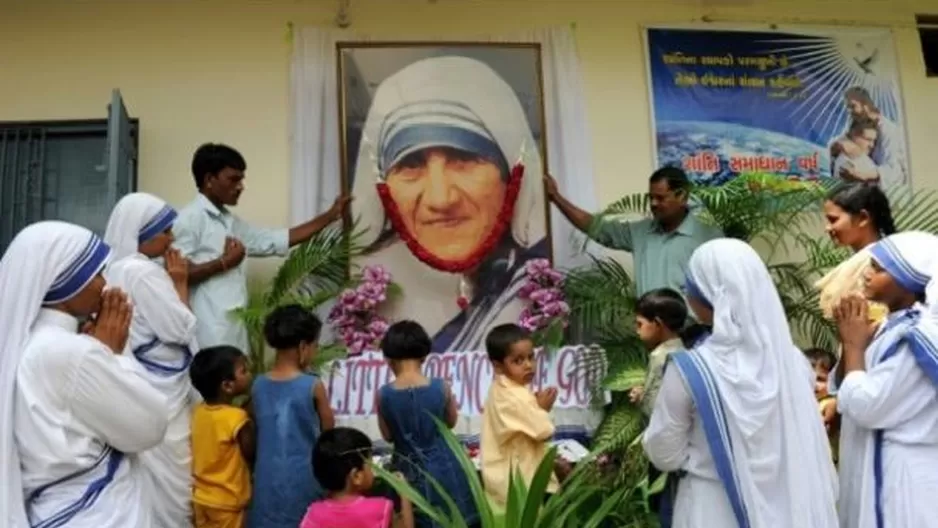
785	82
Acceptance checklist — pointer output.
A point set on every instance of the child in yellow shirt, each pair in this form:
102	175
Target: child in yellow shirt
222	439
516	426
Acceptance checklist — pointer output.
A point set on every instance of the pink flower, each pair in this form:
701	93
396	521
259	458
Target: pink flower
354	317
542	290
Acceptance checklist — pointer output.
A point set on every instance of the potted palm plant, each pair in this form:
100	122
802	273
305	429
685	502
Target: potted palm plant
313	274
584	501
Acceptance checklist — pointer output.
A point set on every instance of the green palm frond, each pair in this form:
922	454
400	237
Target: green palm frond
821	252
637	203
760	206
621	425
807	322
314	273
914	210
601	295
319	263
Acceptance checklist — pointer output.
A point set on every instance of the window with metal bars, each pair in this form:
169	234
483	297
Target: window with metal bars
59	170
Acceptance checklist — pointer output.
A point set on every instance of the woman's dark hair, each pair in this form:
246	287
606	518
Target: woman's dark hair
211	367
289	325
856	197
337	452
666	305
406	340
692	335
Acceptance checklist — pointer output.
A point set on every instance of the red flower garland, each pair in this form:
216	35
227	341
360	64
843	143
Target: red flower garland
470	262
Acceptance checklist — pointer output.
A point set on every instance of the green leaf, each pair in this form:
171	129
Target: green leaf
486	514
538	488
550	338
658	485
624	379
517	498
404	489
606	508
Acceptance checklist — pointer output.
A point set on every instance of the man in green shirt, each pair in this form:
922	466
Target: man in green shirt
661	245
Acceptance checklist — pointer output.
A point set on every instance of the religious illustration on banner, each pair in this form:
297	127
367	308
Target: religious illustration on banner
804	104
443	153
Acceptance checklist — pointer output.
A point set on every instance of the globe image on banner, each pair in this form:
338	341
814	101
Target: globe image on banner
714	153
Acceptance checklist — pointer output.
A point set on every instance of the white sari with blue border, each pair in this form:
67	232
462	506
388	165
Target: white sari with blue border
736	415
889	431
162	340
706	395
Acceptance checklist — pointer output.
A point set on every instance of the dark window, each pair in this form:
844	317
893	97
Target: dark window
57	170
928	33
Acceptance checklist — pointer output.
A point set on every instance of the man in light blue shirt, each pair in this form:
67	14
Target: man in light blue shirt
661	245
216	241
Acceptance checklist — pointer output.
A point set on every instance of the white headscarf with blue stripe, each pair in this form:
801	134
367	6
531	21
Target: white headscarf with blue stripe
766	389
47	263
911	259
455	102
136	218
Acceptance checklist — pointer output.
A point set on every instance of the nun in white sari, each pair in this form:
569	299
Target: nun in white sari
161	339
889	397
72	409
736	415
448	211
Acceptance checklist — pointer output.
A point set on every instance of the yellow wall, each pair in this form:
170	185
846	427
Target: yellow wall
208	70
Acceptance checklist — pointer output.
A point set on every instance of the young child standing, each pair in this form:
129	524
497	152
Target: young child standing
405	410
516	425
342	464
291	409
222	439
822	361
660	316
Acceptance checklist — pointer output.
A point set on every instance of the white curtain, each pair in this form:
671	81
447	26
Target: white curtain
316	180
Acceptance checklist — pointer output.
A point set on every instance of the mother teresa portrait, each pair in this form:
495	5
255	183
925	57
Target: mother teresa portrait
448	184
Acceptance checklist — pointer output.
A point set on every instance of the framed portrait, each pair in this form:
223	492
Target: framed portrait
443	150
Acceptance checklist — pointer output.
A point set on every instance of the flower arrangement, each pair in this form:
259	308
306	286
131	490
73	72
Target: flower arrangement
547	308
355	316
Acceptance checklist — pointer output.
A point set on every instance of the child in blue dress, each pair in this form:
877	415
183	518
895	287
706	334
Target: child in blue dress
290	409
405	407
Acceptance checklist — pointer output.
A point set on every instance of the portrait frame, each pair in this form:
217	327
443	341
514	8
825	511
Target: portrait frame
347	151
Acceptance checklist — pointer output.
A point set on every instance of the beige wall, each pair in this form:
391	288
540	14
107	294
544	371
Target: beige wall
206	70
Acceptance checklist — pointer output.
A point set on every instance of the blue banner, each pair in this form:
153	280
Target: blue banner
807	105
